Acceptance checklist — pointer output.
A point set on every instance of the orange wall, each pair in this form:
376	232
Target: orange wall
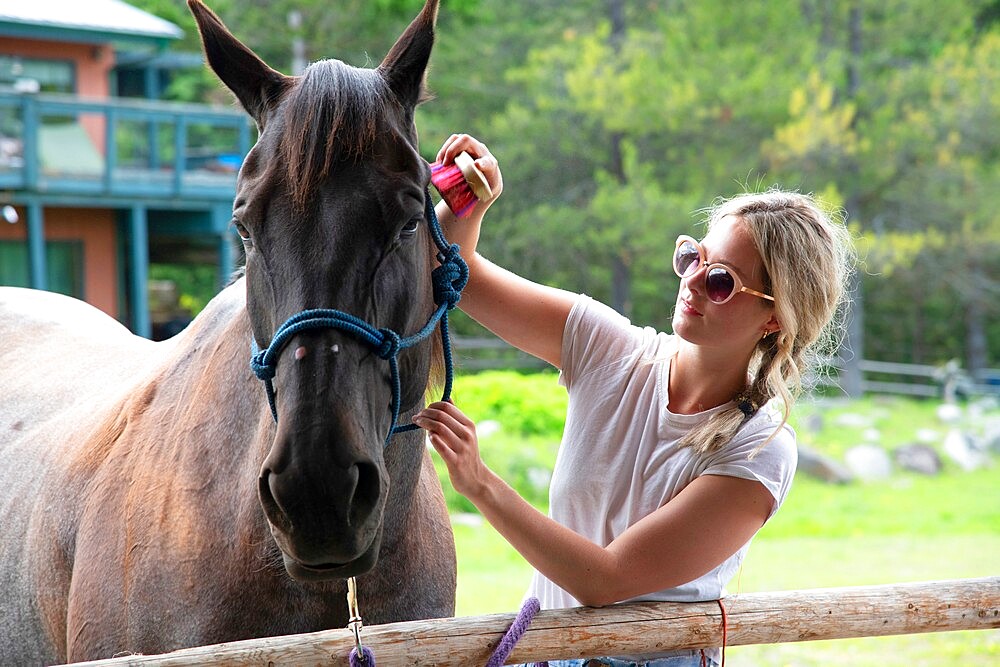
96	229
93	65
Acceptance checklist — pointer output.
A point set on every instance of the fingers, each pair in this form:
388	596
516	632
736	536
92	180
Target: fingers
491	170
449	408
447	454
442	424
453	436
457	143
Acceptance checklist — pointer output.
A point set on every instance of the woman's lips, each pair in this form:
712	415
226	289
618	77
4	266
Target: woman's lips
689	309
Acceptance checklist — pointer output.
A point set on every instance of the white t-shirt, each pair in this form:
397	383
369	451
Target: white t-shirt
619	460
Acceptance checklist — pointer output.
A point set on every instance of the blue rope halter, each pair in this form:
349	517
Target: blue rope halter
448	279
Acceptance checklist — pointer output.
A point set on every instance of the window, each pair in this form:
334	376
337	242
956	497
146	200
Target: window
51	76
63	263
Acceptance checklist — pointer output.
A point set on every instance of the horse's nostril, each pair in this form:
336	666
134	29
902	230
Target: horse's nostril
271	507
366	493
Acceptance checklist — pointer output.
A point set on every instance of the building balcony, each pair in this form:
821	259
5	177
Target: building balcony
67	148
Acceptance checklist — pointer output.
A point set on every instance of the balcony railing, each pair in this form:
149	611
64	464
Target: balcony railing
67	145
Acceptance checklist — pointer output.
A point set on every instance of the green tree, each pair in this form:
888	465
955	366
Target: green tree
616	122
674	90
868	125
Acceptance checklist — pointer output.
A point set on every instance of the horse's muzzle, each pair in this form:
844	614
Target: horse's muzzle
328	535
358	566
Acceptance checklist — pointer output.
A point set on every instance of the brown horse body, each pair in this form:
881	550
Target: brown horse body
148	500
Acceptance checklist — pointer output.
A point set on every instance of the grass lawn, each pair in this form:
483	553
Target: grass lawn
901	529
907	529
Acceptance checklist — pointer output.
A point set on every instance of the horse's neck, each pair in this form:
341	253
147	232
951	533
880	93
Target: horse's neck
201	415
208	379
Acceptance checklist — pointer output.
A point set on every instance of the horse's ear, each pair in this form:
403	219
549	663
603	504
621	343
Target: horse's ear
406	63
257	86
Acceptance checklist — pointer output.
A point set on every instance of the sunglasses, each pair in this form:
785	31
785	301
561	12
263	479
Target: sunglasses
721	282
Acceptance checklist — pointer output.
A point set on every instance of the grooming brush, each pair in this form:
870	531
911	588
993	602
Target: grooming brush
461	184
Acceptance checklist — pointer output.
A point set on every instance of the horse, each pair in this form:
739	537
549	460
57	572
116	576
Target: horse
149	498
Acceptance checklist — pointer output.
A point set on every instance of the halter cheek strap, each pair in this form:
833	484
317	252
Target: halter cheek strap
448	279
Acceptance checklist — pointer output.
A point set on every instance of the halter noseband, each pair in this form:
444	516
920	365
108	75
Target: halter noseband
448	279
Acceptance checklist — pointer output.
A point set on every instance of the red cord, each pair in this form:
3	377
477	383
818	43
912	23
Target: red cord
725	628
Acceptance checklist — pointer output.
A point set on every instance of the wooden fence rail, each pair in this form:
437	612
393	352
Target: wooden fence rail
753	618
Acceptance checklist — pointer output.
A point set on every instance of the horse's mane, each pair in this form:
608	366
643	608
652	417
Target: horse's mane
331	115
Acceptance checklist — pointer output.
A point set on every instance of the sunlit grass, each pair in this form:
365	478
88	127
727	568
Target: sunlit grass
493	578
906	528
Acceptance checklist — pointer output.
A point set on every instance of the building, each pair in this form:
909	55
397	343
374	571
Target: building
96	187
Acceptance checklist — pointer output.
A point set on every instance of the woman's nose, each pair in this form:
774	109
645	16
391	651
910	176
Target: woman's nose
695	278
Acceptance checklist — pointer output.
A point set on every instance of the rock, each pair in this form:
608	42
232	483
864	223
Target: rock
539	478
992	441
487	427
467	519
991	436
823	467
813	422
928	436
961	448
985	404
868	462
853	420
918	458
949	413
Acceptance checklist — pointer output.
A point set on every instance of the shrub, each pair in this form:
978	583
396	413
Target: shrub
525	404
520	418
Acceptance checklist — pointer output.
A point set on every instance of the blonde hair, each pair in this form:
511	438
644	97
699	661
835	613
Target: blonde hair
807	256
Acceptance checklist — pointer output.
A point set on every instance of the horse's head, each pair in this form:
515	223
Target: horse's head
330	204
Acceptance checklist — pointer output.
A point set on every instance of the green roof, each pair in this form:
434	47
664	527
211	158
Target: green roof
90	21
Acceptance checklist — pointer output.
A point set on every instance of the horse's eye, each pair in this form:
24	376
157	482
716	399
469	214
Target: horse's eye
410	228
241	230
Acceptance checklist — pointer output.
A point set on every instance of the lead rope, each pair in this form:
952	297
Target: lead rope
362	656
514	633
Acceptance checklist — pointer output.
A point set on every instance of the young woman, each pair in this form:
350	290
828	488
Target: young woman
674	454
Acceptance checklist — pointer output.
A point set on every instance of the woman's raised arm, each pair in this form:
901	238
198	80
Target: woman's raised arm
526	314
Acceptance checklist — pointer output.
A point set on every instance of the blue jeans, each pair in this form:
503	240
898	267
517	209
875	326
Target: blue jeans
693	660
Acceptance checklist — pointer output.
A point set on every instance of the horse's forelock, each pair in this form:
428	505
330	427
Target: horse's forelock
332	114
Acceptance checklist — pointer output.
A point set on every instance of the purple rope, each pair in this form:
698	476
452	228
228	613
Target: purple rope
367	658
514	632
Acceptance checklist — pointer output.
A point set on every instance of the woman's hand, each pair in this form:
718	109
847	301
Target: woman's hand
485	161
453	436
465	232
